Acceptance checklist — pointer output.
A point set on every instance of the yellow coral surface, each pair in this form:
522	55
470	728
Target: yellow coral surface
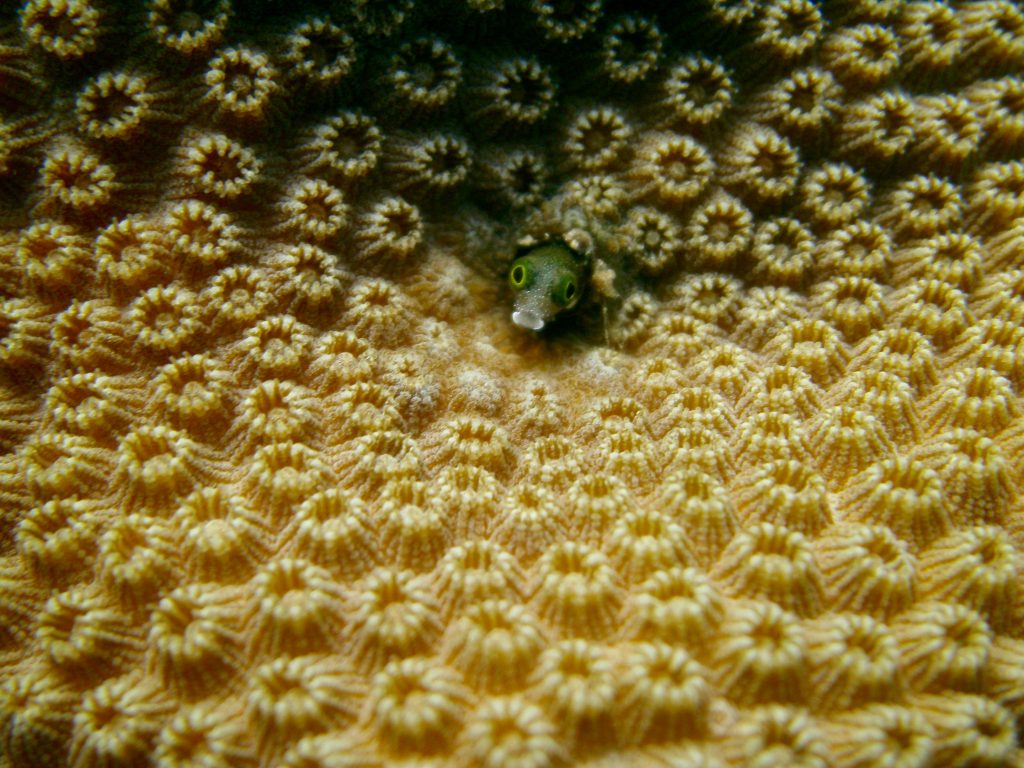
281	484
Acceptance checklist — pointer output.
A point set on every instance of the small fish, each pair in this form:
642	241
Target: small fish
548	278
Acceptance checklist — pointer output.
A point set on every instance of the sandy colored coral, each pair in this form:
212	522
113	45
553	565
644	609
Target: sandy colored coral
283	485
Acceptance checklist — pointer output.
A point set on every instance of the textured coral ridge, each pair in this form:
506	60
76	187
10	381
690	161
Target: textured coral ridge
282	485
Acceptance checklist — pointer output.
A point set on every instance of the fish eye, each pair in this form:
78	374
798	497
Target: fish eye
518	276
565	292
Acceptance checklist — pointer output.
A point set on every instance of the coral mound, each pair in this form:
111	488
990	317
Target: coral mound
281	484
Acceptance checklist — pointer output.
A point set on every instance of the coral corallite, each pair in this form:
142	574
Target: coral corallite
283	485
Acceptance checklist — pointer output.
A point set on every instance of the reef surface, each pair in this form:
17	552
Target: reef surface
282	484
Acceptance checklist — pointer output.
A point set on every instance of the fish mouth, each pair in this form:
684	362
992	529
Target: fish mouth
524	318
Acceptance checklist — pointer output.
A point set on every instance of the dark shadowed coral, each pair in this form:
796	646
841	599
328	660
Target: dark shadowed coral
429	165
121	106
697	92
68	30
319	54
787	30
346	146
240	84
422	77
862	57
631	49
514	93
187	28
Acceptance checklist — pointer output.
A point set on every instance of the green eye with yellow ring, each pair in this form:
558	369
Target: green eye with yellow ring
519	274
565	291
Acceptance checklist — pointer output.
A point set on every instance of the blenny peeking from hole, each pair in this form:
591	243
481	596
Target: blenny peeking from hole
547	278
550	276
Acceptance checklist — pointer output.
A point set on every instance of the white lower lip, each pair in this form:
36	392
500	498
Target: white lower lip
527	320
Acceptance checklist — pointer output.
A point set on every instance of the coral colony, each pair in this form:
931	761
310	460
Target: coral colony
511	384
